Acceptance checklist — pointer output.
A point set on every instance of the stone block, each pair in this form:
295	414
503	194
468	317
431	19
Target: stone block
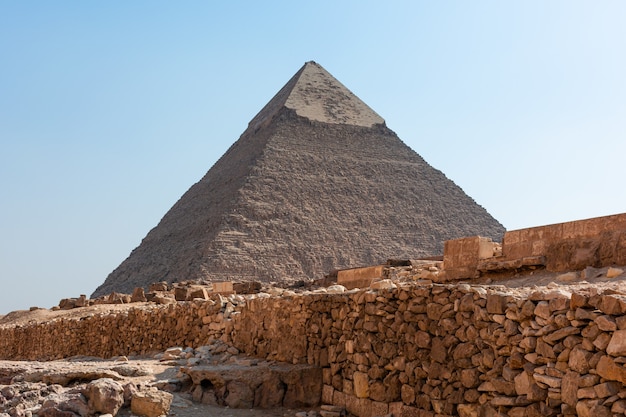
608	369
223	287
361	385
327	394
151	403
617	345
359	277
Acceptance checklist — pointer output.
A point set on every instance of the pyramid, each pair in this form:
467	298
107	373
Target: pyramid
316	182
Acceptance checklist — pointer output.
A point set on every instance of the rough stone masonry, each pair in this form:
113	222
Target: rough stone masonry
419	349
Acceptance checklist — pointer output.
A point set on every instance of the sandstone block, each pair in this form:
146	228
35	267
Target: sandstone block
408	394
586	393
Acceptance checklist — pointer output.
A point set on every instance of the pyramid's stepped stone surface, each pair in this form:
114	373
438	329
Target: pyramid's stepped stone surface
316	182
316	95
172	251
315	197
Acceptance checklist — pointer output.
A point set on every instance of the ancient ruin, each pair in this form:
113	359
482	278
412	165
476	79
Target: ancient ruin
419	309
510	337
316	182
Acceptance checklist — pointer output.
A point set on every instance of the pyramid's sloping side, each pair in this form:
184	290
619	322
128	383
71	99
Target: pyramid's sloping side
172	250
309	198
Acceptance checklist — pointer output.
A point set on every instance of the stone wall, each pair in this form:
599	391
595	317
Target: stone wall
570	246
139	330
417	350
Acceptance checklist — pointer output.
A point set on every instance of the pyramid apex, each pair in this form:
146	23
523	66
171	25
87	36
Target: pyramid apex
315	94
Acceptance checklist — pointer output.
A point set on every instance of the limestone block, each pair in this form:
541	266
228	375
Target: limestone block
223	287
607	389
579	360
151	403
569	388
608	369
468	410
327	394
614	272
361	385
240	395
614	304
617	345
550	381
383	284
105	396
359	277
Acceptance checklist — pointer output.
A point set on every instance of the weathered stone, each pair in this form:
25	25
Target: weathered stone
496	304
579	360
468	410
151	403
542	310
569	388
51	412
606	323
536	393
470	378
614	304
608	369
361	385
138	296
550	381
408	394
105	396
614	272
607	389
617	345
438	350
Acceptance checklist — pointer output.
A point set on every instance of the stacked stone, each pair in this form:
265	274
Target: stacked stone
136	331
448	350
415	350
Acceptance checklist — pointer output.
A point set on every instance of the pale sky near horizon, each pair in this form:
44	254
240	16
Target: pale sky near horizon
110	111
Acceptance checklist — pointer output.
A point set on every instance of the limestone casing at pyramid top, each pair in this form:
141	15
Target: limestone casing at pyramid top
315	94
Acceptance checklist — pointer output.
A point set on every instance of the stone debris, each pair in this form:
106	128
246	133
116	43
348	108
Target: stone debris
151	403
211	374
79	391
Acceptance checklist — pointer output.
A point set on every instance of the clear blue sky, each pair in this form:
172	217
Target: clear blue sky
110	111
